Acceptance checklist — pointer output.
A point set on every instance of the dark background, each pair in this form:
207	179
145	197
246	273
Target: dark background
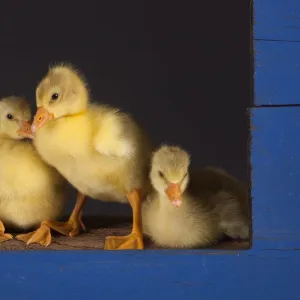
182	70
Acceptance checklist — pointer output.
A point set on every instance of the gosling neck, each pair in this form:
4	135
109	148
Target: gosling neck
5	137
165	203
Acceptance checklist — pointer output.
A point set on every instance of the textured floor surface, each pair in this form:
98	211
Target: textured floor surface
98	228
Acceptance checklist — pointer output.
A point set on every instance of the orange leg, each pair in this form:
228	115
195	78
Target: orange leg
71	227
74	224
135	239
4	236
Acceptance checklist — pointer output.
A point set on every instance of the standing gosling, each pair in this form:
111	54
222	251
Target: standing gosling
100	150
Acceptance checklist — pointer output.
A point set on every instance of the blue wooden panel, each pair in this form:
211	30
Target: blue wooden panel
277	20
270	270
150	275
275	162
277	73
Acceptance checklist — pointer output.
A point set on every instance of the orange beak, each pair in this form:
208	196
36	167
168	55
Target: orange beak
41	117
173	191
25	130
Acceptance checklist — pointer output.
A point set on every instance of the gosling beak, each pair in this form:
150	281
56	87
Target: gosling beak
173	191
25	130
41	117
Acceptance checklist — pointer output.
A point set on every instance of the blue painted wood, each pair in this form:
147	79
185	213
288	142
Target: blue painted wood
277	73
275	161
270	270
277	20
150	275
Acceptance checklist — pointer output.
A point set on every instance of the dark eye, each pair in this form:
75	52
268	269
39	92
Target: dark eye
54	96
9	116
185	175
160	174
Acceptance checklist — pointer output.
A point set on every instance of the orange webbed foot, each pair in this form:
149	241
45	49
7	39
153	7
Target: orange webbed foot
70	228
128	242
4	236
41	236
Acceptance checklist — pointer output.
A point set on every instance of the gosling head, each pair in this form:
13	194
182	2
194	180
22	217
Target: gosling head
169	172
15	118
62	92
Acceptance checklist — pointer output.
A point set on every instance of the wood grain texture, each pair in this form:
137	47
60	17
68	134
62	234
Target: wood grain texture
277	73
277	20
149	275
275	183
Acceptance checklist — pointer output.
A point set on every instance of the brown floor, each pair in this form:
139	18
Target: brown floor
98	229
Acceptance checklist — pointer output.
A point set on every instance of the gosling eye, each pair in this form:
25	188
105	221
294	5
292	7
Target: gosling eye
54	96
9	116
161	175
185	175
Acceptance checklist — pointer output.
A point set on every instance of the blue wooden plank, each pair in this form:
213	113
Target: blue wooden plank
270	270
147	275
275	163
277	20
277	73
